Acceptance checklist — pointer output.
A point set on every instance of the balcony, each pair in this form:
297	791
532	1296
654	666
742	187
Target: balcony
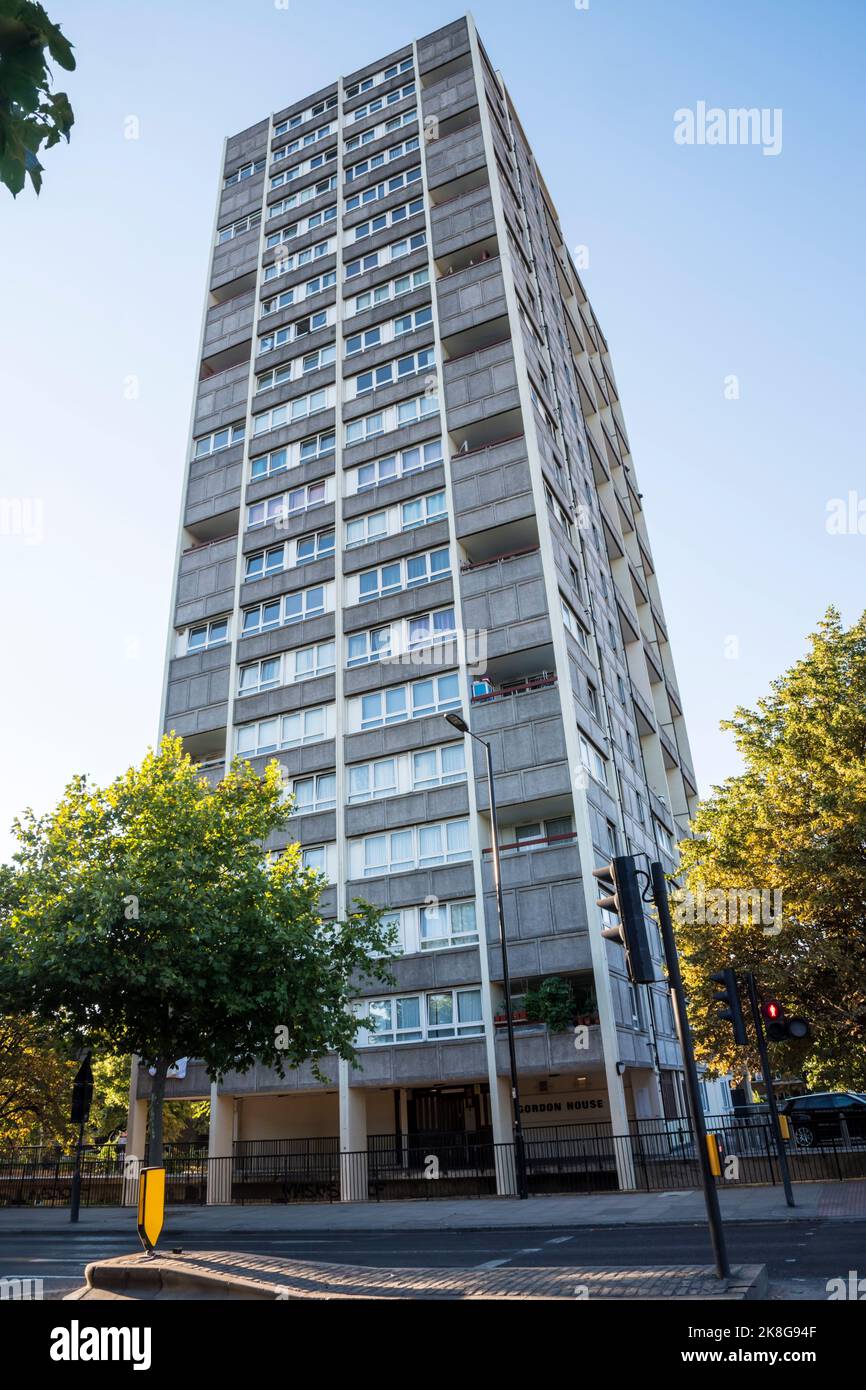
493	487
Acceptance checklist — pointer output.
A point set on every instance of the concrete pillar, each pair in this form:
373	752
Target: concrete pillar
502	1116
136	1139
219	1149
354	1164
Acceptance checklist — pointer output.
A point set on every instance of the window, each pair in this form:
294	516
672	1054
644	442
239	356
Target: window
360	342
294	121
430	628
437	767
283	264
218	439
414	701
377	161
422	510
308	662
398	369
214	634
410	412
246	171
418	847
451	1013
593	761
367	781
306	166
394	1020
387	219
299	329
259	676
396	465
277	510
392	289
302	142
384	190
314	793
297	293
408	573
454	1014
286	731
280	612
366	428
574	625
362	264
448	924
277	376
315	857
535	834
290	411
305	224
314	547
367	83
372	645
377	132
246	224
592	699
265	562
303	195
363	529
410	323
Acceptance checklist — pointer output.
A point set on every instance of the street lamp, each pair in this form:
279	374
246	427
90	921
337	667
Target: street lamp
458	722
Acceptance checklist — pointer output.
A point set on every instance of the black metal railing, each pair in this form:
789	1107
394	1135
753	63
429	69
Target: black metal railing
659	1155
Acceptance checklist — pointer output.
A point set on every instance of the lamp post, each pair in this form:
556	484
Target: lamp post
458	722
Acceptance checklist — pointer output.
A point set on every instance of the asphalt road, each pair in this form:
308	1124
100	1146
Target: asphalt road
800	1256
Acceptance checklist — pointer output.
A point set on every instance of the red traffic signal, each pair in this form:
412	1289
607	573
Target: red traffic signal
778	1025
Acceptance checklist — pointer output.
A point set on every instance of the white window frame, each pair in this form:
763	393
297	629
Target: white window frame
234	435
312	730
290	332
280	508
394	575
377	191
408	707
210	641
391	289
411	838
315	601
318	802
415	459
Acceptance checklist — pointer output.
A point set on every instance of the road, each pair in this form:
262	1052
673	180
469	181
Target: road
800	1256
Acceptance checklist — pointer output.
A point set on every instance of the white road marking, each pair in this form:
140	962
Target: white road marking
493	1264
559	1240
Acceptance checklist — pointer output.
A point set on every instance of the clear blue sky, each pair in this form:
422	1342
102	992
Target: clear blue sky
704	262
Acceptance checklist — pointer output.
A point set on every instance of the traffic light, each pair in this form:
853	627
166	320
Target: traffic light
778	1026
623	897
729	995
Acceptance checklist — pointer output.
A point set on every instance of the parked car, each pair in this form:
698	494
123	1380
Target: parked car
826	1116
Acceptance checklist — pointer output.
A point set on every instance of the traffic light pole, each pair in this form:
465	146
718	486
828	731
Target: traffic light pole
711	1196
768	1083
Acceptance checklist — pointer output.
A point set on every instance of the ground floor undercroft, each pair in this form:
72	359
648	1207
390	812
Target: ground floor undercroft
356	1142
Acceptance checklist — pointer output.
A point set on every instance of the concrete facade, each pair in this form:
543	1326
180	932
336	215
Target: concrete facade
461	529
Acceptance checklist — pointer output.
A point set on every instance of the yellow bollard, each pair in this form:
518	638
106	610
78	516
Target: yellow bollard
151	1206
713	1151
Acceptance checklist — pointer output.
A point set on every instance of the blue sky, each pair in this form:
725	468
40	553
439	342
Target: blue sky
704	263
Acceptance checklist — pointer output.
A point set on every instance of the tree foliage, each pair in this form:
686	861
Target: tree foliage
793	821
31	115
147	919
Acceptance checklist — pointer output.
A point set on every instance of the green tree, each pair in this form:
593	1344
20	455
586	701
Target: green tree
794	822
147	919
31	115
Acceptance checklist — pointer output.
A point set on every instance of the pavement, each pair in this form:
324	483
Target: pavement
832	1201
220	1275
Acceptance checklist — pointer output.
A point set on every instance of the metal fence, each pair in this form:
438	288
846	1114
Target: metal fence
658	1155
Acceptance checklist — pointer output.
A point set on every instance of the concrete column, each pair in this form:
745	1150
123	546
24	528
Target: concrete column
219	1175
354	1168
502	1116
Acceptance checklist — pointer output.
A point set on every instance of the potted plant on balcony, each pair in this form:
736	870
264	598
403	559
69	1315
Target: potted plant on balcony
552	1004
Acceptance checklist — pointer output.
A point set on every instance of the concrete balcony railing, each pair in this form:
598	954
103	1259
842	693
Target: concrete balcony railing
492	485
